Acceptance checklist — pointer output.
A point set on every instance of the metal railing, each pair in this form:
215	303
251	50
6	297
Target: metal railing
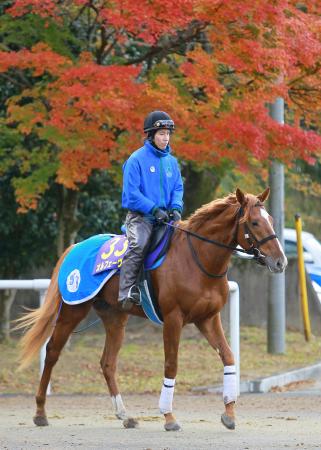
41	285
234	327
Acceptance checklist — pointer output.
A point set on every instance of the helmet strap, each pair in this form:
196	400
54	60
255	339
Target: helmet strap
150	135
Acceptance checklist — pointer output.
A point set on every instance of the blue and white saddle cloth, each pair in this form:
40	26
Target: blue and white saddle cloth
76	281
92	262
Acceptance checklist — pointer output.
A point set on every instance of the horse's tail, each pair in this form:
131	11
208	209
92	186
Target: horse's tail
40	322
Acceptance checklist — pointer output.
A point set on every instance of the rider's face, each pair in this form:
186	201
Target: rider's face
161	138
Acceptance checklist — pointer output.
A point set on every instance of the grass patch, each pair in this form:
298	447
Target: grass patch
140	366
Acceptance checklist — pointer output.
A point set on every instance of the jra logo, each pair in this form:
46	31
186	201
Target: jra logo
73	281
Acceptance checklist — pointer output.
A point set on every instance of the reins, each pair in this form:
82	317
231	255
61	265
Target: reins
209	241
198	262
253	250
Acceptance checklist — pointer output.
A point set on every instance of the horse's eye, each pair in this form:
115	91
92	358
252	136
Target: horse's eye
255	224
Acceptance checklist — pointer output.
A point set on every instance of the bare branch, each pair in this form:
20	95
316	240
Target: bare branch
309	71
167	44
12	80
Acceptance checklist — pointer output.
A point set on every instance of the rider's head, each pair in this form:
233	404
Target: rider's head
159	126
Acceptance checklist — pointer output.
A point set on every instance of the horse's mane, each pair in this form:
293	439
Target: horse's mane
212	210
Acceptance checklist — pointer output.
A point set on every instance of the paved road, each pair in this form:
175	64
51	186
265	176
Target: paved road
280	420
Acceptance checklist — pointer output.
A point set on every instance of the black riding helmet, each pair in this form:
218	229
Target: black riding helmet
157	120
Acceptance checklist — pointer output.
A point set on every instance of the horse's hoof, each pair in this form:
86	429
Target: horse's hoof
130	422
172	426
228	422
40	421
121	415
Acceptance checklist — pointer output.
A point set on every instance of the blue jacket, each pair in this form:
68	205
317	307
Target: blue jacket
152	178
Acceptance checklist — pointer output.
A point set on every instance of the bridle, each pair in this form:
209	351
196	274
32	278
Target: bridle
250	238
254	243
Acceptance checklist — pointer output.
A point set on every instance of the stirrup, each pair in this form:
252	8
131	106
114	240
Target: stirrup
134	294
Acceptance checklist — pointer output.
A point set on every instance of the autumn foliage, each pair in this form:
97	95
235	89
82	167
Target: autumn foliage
213	65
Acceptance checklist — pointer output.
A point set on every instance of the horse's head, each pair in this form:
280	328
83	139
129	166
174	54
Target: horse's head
256	232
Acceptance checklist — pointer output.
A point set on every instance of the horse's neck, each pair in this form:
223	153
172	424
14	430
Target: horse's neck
214	257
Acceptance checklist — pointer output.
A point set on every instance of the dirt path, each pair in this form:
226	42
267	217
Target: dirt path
289	420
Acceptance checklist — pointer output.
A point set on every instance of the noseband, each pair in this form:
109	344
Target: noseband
249	237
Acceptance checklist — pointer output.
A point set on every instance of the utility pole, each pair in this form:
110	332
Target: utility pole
276	294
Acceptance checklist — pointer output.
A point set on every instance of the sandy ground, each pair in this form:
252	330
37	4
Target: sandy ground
279	420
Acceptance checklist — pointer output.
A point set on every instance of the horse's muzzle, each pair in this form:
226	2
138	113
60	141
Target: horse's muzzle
276	265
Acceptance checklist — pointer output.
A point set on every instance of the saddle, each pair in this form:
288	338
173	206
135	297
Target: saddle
111	253
94	261
159	245
160	242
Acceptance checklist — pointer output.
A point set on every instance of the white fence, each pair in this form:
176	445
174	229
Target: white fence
41	286
235	327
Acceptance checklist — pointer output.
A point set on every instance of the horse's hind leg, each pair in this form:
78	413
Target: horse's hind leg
114	322
213	331
68	319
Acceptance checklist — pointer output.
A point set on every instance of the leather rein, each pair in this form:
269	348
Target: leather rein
249	236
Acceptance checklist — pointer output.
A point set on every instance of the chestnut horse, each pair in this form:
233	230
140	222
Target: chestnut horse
191	286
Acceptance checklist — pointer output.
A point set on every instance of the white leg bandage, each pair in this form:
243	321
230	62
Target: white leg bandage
166	397
119	407
229	385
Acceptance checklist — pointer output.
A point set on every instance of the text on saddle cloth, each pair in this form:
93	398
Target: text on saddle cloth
110	255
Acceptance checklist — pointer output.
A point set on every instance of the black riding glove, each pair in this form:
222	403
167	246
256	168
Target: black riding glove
175	215
160	215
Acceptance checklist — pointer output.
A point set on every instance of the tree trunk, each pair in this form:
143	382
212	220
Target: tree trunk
6	299
68	224
200	185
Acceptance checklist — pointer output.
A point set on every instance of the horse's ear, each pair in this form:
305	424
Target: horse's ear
262	197
240	196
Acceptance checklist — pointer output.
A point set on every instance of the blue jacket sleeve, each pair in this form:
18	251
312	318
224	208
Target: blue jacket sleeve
132	197
178	191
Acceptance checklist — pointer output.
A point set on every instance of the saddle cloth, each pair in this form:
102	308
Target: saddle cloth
92	262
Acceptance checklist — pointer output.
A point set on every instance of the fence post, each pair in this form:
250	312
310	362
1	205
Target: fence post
302	279
235	328
42	296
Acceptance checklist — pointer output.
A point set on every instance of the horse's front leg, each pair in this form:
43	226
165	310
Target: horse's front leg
171	334
213	331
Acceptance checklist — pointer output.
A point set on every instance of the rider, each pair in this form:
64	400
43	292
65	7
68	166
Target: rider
152	193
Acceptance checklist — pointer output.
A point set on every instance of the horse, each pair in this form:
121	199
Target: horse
191	286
